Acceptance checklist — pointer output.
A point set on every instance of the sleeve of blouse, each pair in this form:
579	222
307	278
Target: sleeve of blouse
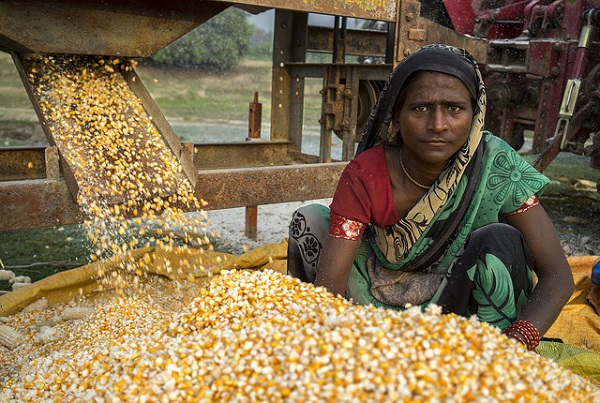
350	208
531	202
515	181
340	227
351	198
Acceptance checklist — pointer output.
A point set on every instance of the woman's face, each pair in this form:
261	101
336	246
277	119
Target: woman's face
435	117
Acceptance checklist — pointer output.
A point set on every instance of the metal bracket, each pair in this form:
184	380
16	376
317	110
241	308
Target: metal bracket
339	112
410	35
567	108
52	158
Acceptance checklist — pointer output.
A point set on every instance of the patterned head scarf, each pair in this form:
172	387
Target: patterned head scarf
396	241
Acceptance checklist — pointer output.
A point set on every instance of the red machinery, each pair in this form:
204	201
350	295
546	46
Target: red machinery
542	72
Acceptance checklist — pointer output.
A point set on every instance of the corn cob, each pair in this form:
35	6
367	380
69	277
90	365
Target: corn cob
9	337
6	275
75	313
17	285
45	334
21	279
38	305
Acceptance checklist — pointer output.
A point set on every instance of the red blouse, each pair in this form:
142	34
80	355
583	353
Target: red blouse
363	196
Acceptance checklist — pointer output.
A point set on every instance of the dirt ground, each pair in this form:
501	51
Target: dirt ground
576	217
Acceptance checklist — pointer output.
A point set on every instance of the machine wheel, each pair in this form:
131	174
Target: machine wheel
368	92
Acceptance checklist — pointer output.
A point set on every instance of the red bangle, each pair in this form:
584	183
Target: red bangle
525	333
517	336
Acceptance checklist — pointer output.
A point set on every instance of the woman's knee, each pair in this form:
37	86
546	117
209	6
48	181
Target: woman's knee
312	218
308	230
498	233
503	241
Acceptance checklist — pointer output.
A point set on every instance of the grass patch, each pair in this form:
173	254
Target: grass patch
41	252
197	95
11	87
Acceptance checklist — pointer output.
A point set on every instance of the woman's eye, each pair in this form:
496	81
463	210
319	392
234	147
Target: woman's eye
421	108
454	108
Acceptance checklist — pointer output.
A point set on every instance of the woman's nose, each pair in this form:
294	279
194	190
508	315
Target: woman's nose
438	120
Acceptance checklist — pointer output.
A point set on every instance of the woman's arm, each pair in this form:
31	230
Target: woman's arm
555	279
335	264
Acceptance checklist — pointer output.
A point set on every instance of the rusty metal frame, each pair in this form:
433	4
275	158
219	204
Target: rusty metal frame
340	105
100	27
48	202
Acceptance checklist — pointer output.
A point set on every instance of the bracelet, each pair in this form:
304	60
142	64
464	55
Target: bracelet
525	333
596	273
517	336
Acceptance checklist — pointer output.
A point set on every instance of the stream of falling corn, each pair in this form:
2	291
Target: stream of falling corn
244	336
116	153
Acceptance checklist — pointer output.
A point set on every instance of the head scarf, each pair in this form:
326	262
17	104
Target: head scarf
438	58
395	242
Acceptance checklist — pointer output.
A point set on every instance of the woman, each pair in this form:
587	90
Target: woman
433	209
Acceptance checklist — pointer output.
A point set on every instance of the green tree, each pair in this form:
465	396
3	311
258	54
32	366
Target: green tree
218	44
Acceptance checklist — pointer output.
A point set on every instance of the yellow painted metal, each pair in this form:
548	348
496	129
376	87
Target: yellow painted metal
381	10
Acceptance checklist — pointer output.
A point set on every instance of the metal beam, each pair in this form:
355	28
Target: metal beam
358	42
17	163
252	153
21	163
365	71
42	203
258	186
35	204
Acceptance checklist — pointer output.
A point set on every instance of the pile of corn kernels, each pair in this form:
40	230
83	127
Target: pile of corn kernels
261	336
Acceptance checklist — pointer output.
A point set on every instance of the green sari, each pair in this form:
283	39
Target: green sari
503	183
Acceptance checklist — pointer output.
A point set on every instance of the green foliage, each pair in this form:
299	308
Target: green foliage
261	46
219	44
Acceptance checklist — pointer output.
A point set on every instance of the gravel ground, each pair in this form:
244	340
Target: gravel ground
272	227
576	217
